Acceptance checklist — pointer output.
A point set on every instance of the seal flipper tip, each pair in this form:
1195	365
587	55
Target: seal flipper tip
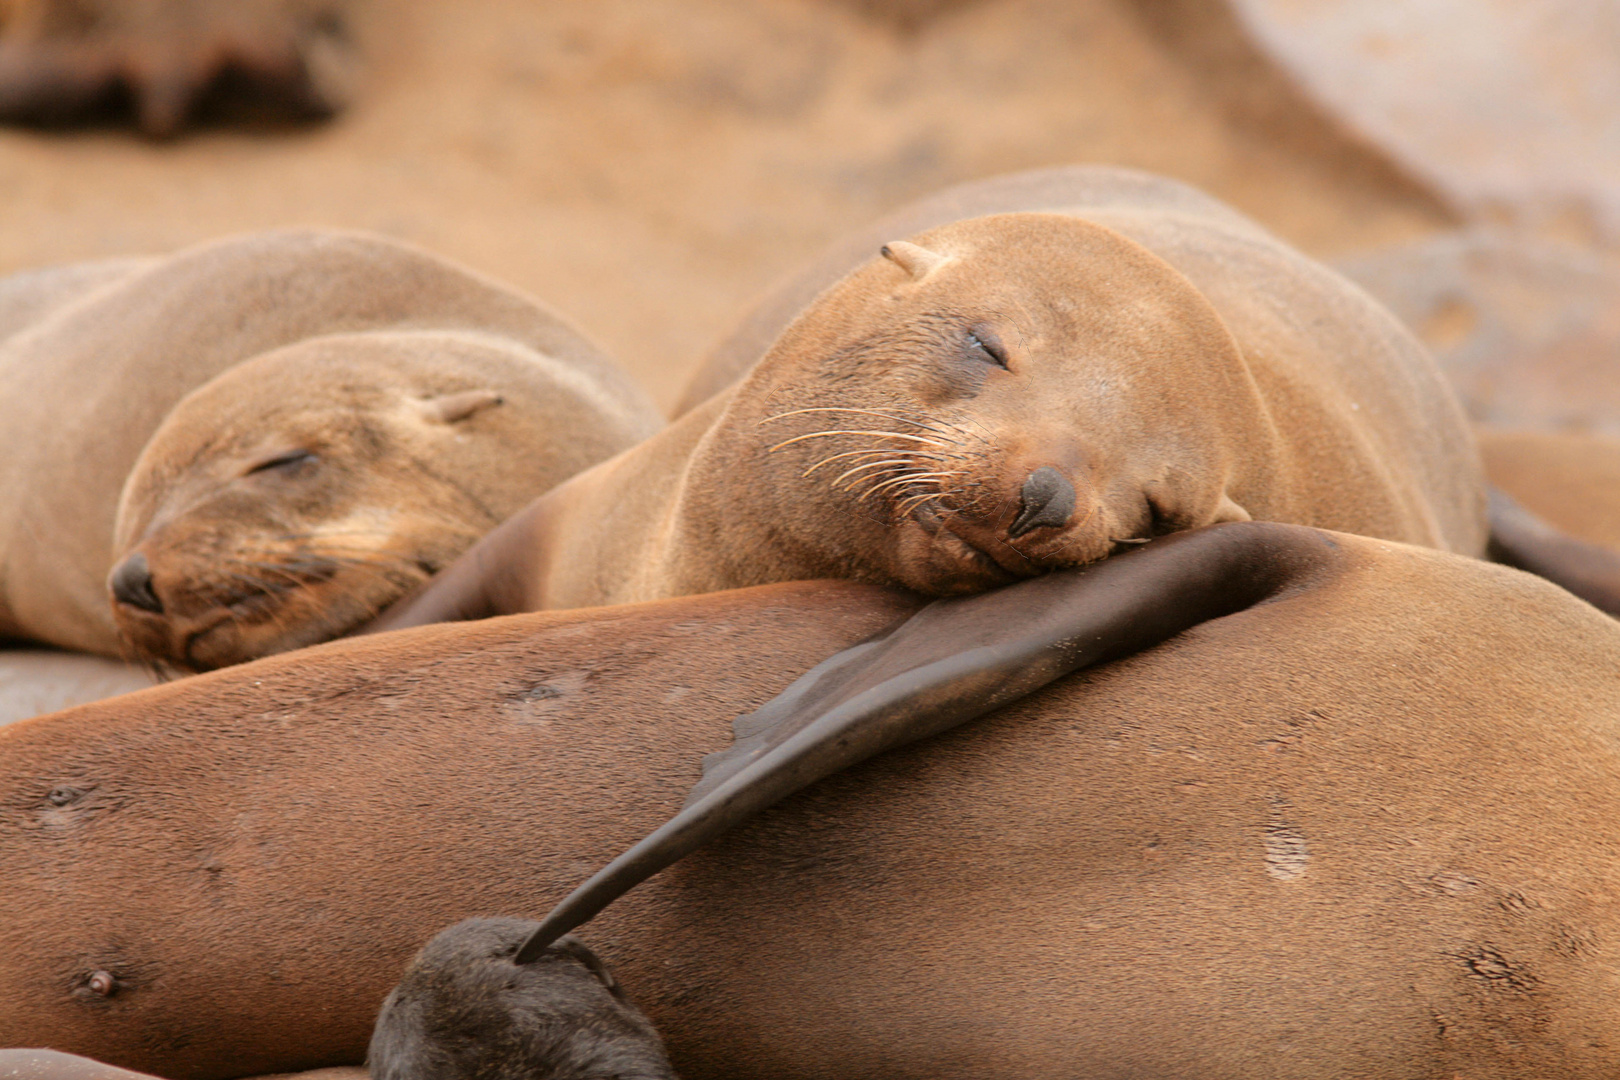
1524	541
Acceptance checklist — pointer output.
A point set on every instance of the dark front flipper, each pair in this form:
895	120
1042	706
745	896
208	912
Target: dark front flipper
1523	540
71	61
956	660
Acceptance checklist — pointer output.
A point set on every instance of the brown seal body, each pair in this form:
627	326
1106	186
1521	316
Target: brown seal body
272	437
1365	829
1100	358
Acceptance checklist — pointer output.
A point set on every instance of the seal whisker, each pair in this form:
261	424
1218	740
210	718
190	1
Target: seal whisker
849	431
269	588
903	418
906	506
916	455
982	435
911	478
885	465
903	481
321	534
315	559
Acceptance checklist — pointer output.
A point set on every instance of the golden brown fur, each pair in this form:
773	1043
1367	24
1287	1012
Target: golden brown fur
1173	362
1366	830
429	403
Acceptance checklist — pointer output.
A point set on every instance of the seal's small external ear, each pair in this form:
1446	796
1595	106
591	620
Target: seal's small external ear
917	261
449	408
954	660
1228	510
1524	541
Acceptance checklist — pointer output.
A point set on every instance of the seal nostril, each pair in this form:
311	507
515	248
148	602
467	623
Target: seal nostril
1048	500
131	584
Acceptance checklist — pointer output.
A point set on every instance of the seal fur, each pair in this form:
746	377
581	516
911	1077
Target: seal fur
1260	850
150	413
1162	362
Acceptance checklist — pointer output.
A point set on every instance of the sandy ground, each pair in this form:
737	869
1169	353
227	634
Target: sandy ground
647	166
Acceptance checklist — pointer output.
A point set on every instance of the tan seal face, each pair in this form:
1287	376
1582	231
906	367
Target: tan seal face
1001	397
298	494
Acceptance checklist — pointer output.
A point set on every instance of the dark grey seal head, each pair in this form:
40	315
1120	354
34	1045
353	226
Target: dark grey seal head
464	1010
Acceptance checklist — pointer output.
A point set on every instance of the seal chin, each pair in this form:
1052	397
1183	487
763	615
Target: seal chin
942	554
208	628
939	557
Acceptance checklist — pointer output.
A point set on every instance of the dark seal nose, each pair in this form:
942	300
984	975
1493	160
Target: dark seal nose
1048	500
131	584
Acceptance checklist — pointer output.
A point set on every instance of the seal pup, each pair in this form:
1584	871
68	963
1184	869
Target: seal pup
1260	849
465	1011
1098	358
258	443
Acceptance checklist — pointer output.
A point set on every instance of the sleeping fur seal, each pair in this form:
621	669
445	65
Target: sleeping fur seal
1097	358
1261	849
265	440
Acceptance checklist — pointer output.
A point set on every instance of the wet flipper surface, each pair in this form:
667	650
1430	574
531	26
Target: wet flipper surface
956	660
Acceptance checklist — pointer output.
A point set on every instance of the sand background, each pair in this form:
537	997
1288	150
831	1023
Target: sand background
648	166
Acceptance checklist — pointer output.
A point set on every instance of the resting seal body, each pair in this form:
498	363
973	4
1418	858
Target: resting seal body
1262	849
1099	357
267	439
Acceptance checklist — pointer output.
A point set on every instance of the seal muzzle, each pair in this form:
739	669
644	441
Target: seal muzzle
1048	501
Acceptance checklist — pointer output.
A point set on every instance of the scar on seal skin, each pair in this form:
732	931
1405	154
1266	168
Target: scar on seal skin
171	61
466	1011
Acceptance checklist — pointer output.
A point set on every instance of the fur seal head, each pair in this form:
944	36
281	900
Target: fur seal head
297	494
465	1011
988	401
